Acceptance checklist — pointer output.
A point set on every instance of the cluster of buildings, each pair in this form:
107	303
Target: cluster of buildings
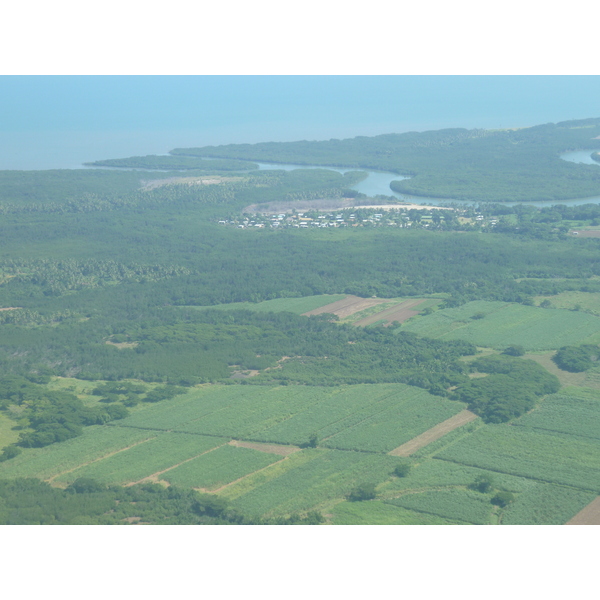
358	217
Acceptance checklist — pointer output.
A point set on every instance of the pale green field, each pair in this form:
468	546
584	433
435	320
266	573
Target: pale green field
376	512
295	305
7	434
164	451
533	453
359	417
505	324
587	301
96	442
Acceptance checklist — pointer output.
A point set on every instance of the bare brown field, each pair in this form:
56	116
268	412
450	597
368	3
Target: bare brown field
280	449
401	312
435	433
346	307
590	515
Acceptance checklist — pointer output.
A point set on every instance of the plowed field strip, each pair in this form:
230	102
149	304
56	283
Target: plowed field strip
346	307
268	448
399	313
590	515
435	433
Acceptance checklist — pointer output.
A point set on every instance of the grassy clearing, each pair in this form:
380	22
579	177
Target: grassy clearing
329	475
564	377
376	512
220	467
565	414
95	442
534	453
586	301
462	505
7	434
295	305
545	504
139	462
505	324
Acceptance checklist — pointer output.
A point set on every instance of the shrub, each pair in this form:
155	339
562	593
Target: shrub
365	491
502	499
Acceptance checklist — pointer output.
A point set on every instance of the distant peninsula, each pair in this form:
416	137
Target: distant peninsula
177	163
479	165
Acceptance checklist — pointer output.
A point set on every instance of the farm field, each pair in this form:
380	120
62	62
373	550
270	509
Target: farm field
347	306
219	467
586	301
435	433
502	324
320	476
377	512
436	473
395	313
537	454
139	462
545	504
590	515
95	443
376	418
296	305
565	414
463	505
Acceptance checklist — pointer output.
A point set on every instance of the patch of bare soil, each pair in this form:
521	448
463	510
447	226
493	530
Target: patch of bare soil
590	515
435	433
401	312
122	345
244	374
585	233
268	448
156	183
346	307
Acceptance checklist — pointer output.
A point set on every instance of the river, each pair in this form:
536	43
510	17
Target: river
378	182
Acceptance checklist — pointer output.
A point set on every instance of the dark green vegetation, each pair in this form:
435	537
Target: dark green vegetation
509	390
87	502
174	163
577	358
117	370
490	165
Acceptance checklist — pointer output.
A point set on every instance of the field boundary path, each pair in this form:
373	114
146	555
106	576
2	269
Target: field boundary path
280	449
401	312
346	307
433	434
590	515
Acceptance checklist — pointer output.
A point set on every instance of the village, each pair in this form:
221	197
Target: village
366	216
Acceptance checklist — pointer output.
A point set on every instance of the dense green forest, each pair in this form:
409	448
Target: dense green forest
109	279
519	165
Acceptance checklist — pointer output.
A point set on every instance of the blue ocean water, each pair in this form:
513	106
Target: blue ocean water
63	121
